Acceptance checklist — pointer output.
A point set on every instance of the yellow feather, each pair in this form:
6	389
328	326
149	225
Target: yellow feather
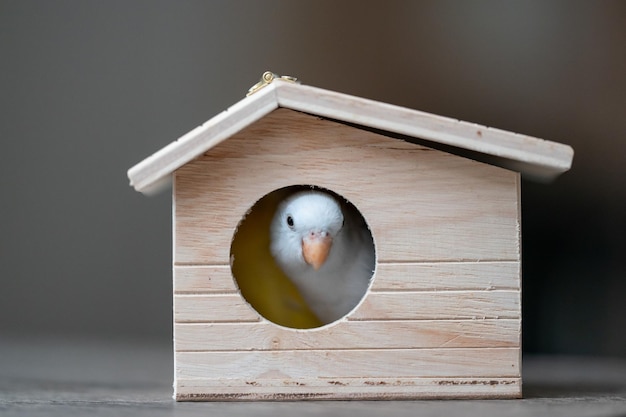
261	282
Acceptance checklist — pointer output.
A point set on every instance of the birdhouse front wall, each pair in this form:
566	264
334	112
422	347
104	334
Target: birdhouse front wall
442	316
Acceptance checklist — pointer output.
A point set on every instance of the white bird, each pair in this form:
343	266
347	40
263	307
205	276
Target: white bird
326	251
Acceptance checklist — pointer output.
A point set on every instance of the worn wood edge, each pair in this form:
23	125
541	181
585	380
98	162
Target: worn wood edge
346	389
543	159
147	176
348	335
356	363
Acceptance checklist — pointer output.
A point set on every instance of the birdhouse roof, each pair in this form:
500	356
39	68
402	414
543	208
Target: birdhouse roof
533	157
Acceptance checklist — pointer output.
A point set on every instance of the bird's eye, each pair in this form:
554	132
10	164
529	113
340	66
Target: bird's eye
290	221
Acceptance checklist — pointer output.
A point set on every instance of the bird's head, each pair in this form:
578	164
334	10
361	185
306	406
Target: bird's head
304	227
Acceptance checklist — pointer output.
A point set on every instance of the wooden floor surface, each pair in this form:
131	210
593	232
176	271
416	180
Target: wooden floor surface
68	377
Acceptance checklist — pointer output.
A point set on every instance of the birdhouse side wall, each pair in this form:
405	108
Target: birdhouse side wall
442	317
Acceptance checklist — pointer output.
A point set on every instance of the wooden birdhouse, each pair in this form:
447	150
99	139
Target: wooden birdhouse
441	317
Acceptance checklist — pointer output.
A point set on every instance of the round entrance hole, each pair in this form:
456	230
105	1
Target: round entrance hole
303	257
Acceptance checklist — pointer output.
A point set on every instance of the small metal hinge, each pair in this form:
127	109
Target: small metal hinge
267	78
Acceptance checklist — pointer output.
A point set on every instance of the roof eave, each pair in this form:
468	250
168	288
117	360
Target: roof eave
148	175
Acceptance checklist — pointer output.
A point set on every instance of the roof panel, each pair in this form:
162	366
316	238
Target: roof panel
533	157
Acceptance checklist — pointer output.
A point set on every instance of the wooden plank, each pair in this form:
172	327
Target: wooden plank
410	305
345	389
349	335
384	363
535	157
213	308
204	279
439	305
439	276
424	205
436	276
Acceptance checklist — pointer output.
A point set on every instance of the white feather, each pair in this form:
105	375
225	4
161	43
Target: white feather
341	282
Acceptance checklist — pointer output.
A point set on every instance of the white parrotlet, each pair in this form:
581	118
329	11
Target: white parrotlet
326	249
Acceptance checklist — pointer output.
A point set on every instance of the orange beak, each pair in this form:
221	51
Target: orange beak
315	249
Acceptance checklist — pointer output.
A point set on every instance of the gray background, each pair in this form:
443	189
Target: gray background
89	88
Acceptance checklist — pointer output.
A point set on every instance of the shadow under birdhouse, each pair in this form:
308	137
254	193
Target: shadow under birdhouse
262	282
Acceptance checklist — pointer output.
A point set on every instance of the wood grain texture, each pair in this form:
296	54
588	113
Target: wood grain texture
409	305
440	276
346	389
349	335
446	305
203	279
421	204
385	363
212	308
437	276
